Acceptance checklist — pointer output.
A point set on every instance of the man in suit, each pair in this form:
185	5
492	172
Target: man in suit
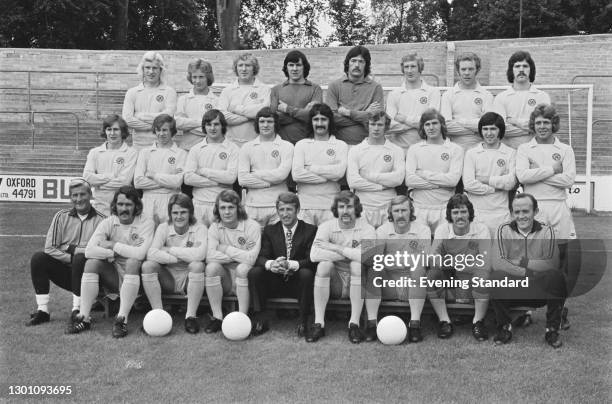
283	267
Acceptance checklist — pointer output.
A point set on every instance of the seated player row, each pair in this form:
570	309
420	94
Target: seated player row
321	164
242	261
353	98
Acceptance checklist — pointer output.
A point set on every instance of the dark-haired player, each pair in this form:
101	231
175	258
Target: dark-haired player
293	99
337	249
234	241
355	97
175	260
489	172
464	240
114	256
159	169
263	166
516	103
433	169
319	162
111	165
212	165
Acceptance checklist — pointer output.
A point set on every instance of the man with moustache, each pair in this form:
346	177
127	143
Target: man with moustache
240	101
114	256
375	167
405	105
283	267
489	172
212	165
460	237
63	259
464	104
159	170
355	97
263	166
433	169
319	162
293	99
337	250
148	99
516	103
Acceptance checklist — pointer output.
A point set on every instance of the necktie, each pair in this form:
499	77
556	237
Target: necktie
289	242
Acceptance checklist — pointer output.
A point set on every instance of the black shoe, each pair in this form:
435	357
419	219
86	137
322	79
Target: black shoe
354	334
191	325
78	325
73	316
479	331
315	333
301	330
565	324
120	329
553	338
445	329
213	326
414	331
524	320
37	318
504	334
370	333
259	327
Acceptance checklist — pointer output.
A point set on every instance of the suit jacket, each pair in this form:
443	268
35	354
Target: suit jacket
273	244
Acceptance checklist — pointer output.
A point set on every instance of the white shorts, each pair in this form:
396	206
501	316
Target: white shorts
180	274
430	217
155	205
203	212
340	282
559	216
315	216
262	215
492	219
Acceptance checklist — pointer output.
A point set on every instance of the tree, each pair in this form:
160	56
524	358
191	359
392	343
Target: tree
408	21
302	26
350	22
228	18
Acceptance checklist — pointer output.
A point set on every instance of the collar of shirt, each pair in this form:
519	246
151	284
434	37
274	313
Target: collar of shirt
240	227
537	226
392	232
256	83
292	229
503	149
387	145
172	230
306	83
423	143
332	139
532	89
478	88
358	225
471	233
174	148
424	87
533	143
277	140
204	143
123	148
161	86
90	214
366	79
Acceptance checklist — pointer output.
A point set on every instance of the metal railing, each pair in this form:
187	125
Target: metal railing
32	123
29	87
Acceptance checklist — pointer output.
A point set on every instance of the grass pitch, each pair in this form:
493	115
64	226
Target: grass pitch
279	367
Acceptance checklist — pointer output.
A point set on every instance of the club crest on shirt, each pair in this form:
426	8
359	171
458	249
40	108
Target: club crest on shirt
423	100
478	101
159	98
501	162
171	160
223	155
275	153
444	156
354	244
119	160
253	95
208	106
531	102
413	244
241	240
473	245
189	244
134	236
387	158
331	152
556	157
